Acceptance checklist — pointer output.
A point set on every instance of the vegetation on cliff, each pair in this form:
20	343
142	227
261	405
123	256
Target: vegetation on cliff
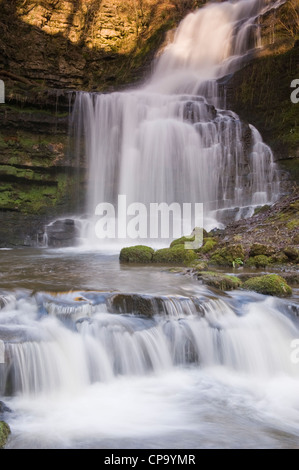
103	45
261	91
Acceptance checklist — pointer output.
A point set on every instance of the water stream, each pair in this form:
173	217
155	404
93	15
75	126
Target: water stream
140	357
103	355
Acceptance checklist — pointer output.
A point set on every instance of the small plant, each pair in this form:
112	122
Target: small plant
237	262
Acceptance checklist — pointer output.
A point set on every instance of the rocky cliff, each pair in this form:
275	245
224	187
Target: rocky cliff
261	91
51	48
48	49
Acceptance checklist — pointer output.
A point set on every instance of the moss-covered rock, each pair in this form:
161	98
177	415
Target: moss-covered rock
175	255
4	433
181	241
258	249
208	245
184	239
260	261
199	266
219	281
270	284
136	254
228	256
292	253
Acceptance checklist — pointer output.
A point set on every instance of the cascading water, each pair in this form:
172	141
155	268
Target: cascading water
182	366
131	368
171	140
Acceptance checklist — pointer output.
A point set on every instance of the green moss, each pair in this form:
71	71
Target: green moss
209	244
296	239
294	223
181	241
136	254
292	253
199	266
260	261
270	284
175	255
267	80
258	249
220	281
227	256
4	433
191	238
279	258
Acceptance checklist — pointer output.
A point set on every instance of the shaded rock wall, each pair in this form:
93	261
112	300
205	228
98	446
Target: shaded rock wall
261	93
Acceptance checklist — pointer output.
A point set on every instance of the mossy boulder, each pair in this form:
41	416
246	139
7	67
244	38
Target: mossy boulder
4	433
228	256
279	258
208	245
199	266
260	261
181	241
258	249
219	281
175	255
292	253
191	238
270	284
136	254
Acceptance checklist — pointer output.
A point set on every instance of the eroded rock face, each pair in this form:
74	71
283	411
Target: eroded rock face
62	233
82	44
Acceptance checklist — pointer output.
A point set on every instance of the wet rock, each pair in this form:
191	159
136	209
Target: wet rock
4	408
62	233
219	281
132	303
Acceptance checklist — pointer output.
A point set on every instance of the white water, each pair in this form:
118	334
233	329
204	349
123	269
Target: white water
169	140
216	376
204	371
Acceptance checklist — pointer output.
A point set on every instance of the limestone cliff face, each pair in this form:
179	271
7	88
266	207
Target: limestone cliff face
83	44
47	49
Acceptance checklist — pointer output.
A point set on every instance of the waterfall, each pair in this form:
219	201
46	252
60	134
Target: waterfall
171	139
70	341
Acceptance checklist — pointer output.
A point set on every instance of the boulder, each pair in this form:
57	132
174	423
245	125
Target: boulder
136	254
220	281
270	284
175	255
